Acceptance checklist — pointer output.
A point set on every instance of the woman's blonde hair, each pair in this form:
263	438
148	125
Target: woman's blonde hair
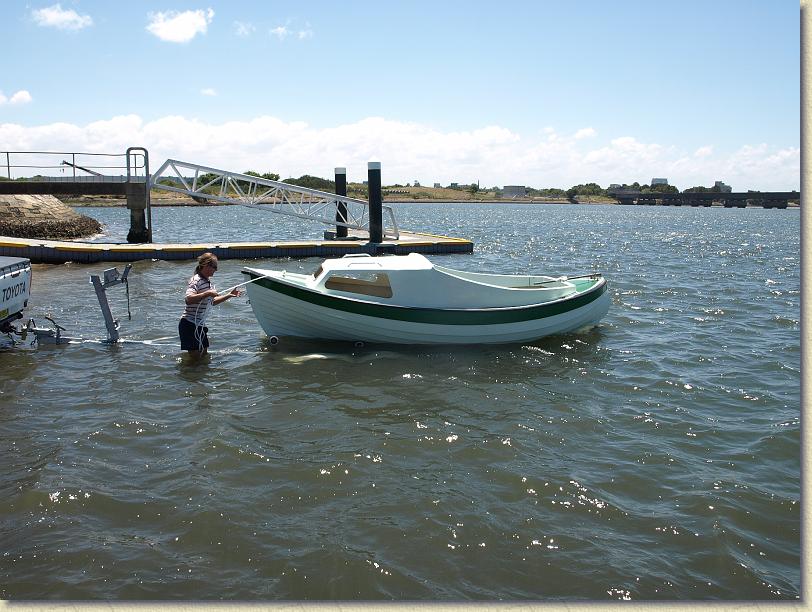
204	260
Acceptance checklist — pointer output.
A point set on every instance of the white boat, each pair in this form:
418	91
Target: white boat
409	300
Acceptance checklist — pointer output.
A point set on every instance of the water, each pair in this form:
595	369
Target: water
655	457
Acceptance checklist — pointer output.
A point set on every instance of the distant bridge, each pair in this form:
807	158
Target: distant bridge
740	199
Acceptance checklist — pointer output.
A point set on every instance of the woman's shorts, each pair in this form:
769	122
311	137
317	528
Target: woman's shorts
192	338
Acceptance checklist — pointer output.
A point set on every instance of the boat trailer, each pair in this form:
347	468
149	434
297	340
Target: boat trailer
53	335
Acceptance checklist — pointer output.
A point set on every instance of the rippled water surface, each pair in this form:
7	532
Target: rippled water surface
656	456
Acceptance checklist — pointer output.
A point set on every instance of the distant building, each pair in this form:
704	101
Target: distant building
437	186
659	181
454	185
512	191
614	186
722	187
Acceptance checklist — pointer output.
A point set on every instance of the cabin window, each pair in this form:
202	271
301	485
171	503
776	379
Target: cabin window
365	282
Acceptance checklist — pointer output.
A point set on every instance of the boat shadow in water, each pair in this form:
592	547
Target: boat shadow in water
559	355
392	384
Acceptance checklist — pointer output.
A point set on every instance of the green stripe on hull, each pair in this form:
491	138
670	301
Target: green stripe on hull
437	316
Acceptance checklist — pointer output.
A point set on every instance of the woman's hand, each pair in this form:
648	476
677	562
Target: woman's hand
222	298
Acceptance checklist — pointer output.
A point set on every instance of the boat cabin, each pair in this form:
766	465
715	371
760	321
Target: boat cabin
412	280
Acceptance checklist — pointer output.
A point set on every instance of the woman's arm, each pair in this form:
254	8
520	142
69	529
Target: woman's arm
222	298
195	298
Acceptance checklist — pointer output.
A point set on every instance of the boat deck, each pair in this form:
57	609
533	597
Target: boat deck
55	251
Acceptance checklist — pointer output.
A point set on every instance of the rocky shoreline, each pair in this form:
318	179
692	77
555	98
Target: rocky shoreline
43	216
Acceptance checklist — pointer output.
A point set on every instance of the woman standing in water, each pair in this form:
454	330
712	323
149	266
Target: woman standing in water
200	296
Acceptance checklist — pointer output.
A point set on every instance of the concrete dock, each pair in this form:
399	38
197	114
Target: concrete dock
56	252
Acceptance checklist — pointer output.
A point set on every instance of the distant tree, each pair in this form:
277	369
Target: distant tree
312	182
271	176
659	189
698	189
547	192
473	188
589	189
206	178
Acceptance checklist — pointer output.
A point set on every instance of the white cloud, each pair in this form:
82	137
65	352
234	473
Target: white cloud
244	29
63	19
774	167
703	151
173	26
625	156
281	32
585	133
208	91
493	155
20	97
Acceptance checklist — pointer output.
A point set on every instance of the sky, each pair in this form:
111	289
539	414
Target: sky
539	93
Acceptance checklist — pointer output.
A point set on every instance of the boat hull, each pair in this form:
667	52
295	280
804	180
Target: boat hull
286	310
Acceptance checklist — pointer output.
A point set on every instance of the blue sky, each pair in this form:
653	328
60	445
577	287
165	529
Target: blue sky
541	93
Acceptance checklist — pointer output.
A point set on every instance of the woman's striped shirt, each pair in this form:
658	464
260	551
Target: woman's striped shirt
196	313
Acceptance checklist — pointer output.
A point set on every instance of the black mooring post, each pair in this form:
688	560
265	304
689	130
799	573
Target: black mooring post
341	207
375	202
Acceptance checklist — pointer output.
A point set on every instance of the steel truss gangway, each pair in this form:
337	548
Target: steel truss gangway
270	196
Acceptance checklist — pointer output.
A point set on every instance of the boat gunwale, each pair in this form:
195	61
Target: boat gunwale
491	315
466	277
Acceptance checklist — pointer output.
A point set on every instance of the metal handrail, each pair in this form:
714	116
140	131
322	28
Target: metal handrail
47	165
68	153
267	195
